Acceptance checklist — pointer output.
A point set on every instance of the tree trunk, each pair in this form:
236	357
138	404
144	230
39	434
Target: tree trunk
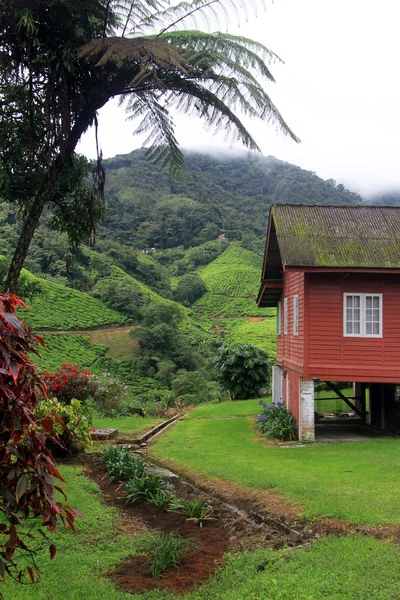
28	231
44	195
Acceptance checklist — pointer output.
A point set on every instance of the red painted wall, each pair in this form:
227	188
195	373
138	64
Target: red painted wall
290	348
331	356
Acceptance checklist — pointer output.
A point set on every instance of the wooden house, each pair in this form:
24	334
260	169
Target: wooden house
333	272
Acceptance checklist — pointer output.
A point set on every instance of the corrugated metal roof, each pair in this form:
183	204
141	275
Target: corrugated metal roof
338	236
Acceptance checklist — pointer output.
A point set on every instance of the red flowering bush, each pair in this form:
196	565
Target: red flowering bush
70	382
27	468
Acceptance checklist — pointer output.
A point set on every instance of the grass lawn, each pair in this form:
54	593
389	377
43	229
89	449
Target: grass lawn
335	568
235	408
82	561
355	481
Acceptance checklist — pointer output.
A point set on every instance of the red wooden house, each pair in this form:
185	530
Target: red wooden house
333	272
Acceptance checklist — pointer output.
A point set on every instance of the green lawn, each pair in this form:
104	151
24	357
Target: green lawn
236	408
83	560
356	481
336	568
127	425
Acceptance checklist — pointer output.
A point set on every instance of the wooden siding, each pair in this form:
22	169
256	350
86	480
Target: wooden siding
294	384
290	348
331	355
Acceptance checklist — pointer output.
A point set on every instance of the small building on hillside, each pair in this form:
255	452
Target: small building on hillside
333	272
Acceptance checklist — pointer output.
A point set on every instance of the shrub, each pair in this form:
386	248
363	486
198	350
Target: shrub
197	510
122	464
76	437
244	370
193	388
27	467
144	487
69	382
275	421
190	288
111	397
166	552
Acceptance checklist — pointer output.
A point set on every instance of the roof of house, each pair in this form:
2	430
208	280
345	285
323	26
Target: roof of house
328	237
338	236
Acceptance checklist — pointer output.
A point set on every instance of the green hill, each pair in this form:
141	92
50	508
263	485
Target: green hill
235	273
60	308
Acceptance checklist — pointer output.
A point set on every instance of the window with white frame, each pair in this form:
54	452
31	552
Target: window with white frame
296	314
278	318
362	315
285	316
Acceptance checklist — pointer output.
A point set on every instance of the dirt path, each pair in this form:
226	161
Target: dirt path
82	331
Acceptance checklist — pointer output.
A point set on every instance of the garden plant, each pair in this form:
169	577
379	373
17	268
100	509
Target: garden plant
275	421
166	552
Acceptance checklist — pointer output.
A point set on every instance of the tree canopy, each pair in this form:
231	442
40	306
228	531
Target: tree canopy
61	62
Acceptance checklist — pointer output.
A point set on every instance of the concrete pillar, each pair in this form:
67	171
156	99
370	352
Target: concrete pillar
306	411
276	384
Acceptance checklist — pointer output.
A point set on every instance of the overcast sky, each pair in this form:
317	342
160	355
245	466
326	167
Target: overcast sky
339	90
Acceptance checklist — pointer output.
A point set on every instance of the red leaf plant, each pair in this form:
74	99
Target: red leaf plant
27	467
69	382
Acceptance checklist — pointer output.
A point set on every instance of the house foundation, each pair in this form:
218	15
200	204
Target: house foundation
276	384
306	421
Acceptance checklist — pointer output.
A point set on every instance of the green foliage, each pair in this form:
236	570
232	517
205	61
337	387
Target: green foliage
192	387
275	421
112	396
214	305
121	464
197	510
144	487
161	340
236	272
257	333
58	307
74	416
244	370
235	190
189	289
60	349
166	551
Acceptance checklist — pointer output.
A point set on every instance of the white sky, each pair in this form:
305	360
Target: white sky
339	90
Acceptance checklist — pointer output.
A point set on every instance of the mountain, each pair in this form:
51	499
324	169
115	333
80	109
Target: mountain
118	309
147	207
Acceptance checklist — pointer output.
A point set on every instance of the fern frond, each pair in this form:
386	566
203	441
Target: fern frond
197	14
121	52
157	122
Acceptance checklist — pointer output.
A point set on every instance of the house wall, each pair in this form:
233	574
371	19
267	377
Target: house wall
291	403
330	355
290	348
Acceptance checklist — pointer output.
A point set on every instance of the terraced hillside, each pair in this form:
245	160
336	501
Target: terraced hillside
232	282
57	307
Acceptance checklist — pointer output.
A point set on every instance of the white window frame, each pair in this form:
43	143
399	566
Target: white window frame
363	315
278	318
285	316
296	314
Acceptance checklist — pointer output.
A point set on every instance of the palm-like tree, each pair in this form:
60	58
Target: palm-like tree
60	62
